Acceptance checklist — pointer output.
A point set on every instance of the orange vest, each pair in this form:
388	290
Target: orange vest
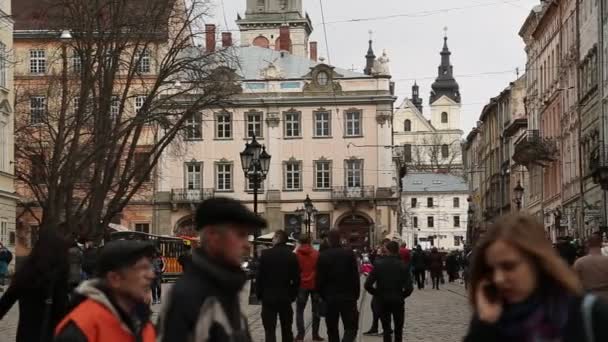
97	323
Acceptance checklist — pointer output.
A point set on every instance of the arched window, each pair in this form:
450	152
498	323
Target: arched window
444	117
407	126
261	42
445	151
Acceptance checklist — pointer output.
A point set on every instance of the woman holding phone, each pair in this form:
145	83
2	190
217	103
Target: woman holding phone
521	290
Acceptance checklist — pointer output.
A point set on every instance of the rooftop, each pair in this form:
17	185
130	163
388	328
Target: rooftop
434	182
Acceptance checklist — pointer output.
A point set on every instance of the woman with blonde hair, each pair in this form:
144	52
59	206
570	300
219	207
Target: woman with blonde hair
521	290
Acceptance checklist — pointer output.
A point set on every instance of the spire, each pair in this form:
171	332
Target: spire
370	57
445	84
416	100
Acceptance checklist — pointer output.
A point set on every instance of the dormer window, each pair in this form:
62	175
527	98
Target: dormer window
322	78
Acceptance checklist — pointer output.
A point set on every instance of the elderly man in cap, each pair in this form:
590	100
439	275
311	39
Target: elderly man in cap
112	306
204	305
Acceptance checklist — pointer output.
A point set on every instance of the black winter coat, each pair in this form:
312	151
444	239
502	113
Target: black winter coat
32	308
390	280
338	275
574	330
205	297
278	275
418	260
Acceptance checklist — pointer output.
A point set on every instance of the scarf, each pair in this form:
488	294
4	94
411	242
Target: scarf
538	319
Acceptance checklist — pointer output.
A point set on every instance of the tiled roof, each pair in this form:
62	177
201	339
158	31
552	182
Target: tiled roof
253	59
434	182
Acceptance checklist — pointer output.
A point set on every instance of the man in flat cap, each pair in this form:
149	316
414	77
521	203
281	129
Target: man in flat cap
204	305
112	306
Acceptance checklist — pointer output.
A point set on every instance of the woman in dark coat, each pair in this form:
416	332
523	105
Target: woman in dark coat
41	287
436	267
522	290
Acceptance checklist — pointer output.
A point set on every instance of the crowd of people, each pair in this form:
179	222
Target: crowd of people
521	287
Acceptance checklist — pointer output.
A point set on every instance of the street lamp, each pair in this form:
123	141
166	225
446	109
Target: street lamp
519	195
309	210
256	163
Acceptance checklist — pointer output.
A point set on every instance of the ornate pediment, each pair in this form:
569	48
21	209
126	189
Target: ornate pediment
272	72
322	78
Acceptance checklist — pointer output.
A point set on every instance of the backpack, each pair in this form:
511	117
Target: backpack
6	255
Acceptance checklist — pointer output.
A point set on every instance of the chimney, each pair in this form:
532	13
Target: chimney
284	40
226	39
210	38
313	51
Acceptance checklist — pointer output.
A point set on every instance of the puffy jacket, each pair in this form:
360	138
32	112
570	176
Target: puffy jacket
98	318
307	258
204	304
390	280
278	275
338	275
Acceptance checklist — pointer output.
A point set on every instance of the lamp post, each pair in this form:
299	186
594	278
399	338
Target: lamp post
255	162
519	195
309	210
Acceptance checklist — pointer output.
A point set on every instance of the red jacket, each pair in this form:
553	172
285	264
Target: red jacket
405	255
307	258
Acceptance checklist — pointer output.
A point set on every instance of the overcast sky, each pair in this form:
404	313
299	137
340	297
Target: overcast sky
483	37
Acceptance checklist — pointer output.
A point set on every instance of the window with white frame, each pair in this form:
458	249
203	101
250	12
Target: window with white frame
322	124
194	176
429	202
354	173
249	186
194	127
76	64
3	145
322	175
293	175
456	220
37	61
142	228
143	66
3	65
456	201
223	176
37	109
114	107
292	124
430	222
353	123
254	124
223	126
139	103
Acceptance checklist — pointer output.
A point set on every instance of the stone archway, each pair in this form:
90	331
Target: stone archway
185	227
355	228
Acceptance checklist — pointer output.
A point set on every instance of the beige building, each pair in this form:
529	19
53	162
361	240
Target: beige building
8	199
327	130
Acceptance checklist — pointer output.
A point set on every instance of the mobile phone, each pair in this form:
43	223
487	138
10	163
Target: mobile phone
491	292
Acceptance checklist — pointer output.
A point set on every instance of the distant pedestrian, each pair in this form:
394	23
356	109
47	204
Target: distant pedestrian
278	282
75	259
419	266
566	250
112	306
41	287
159	268
5	259
185	258
374	303
307	259
391	283
592	269
405	254
521	290
436	267
89	259
339	286
452	266
204	304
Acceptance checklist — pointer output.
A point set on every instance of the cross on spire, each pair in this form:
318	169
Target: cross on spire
445	32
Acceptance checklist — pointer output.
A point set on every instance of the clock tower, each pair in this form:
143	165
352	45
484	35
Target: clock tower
264	19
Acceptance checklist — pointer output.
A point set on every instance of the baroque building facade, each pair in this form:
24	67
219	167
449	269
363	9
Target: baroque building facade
326	129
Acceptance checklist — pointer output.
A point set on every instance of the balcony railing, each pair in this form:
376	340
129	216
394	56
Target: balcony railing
191	195
599	157
353	193
534	149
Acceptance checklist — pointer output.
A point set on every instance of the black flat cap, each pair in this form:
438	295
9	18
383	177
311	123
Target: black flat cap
118	254
223	210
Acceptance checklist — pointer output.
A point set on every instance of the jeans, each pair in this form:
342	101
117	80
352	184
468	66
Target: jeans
420	278
301	305
396	311
347	310
156	289
270	311
436	279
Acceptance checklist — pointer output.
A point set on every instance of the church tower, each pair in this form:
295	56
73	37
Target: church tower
264	20
445	98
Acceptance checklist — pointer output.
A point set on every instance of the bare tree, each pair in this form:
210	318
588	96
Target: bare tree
436	154
116	95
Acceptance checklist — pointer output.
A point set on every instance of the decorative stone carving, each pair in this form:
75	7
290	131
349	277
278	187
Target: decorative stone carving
272	72
273	119
384	116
